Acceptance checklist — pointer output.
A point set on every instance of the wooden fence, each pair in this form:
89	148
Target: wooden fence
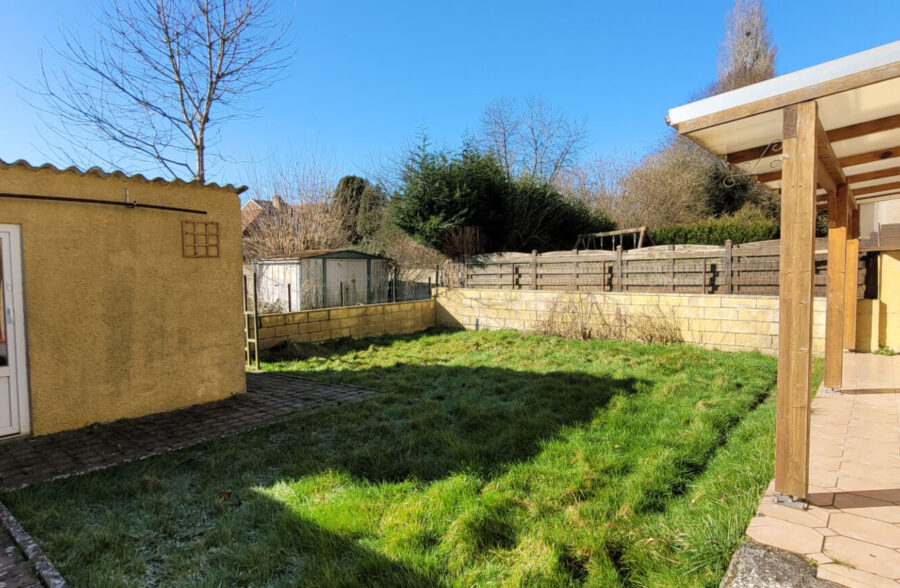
746	269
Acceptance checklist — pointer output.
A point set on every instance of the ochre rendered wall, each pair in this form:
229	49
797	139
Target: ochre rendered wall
313	326
119	323
878	321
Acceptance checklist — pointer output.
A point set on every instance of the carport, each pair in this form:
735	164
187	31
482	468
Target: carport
827	138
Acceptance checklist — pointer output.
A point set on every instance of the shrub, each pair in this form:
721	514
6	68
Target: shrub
746	226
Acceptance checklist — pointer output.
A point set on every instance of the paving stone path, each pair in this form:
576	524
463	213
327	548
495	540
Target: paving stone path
270	398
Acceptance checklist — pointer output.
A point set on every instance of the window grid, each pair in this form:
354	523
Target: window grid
200	239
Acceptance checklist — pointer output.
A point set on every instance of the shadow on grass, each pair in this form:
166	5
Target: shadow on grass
288	351
434	422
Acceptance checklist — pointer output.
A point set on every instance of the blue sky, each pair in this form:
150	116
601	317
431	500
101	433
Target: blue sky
367	75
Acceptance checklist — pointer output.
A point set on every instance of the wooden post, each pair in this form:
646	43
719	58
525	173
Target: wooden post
729	284
672	267
289	297
851	276
619	268
798	216
836	287
703	279
534	277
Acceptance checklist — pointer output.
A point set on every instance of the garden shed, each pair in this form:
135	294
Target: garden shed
121	296
322	278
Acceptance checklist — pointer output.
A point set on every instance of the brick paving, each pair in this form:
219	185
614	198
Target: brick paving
852	527
270	397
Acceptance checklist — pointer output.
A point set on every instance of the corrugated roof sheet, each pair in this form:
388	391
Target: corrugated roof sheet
99	173
320	253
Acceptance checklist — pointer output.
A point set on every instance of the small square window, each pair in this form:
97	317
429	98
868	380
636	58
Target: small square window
200	239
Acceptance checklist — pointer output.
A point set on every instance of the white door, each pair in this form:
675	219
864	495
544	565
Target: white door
14	417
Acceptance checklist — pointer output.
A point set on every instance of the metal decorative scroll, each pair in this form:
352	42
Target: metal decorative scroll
772	148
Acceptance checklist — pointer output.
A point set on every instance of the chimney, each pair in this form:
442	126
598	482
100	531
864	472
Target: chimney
277	202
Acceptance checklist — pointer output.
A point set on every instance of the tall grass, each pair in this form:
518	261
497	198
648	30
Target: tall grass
495	458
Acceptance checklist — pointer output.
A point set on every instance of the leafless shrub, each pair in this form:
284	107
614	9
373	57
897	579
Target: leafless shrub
582	316
303	216
464	241
413	261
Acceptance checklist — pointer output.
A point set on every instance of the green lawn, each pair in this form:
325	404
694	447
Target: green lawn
494	459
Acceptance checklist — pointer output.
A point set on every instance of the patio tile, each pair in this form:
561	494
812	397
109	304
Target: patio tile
852	578
863	556
865	529
785	535
825	464
874	432
888	476
868	507
793	515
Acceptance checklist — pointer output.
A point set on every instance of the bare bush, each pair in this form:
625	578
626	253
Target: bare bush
582	316
464	241
303	216
411	259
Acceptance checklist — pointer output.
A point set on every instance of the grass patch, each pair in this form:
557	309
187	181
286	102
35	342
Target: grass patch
494	458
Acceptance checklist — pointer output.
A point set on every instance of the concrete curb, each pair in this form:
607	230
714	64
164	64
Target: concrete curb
33	553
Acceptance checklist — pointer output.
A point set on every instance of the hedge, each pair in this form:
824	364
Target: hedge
715	231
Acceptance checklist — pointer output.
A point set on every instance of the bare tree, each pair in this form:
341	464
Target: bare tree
748	55
534	140
304	215
160	76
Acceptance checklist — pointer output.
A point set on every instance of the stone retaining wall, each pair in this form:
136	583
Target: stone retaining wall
315	326
731	322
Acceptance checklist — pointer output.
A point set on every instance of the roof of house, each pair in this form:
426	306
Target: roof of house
99	173
255	207
342	253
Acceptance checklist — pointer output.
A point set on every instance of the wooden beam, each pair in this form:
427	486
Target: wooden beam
851	276
826	155
848	82
876	188
798	220
878	174
824	178
835	288
887	123
849	161
870	157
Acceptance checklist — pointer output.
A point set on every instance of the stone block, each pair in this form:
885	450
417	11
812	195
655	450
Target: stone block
271	320
767	302
266	333
318	315
286	330
296	317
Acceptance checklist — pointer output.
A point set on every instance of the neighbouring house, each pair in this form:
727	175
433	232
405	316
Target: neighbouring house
322	279
255	210
121	296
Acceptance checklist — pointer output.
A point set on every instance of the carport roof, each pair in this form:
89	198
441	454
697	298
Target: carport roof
858	100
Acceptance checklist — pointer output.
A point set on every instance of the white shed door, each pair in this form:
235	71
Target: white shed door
13	382
346	282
